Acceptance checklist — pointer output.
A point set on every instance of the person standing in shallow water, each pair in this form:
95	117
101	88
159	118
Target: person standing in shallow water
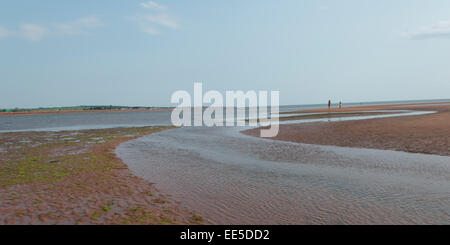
329	104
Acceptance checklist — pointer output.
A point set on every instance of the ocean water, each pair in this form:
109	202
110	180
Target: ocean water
78	121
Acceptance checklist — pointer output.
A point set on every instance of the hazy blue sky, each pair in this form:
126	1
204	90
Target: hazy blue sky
129	52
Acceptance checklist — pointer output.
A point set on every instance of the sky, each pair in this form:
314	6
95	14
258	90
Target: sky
131	52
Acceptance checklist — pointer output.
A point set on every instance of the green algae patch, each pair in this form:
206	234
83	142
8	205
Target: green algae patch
39	157
74	177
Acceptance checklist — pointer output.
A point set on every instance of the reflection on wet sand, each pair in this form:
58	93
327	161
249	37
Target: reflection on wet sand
231	178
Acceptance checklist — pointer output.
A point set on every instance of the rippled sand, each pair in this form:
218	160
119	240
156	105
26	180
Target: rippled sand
231	178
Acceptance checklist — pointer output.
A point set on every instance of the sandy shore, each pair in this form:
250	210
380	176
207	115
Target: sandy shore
74	177
429	134
324	115
416	106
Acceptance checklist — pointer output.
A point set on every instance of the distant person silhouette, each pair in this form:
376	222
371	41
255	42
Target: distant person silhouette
329	104
340	104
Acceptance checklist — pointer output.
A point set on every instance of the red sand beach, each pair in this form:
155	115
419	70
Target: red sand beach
428	134
74	177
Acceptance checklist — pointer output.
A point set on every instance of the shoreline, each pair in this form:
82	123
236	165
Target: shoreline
374	108
75	177
328	115
157	109
19	113
235	179
427	134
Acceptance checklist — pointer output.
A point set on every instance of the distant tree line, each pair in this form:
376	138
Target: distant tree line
76	108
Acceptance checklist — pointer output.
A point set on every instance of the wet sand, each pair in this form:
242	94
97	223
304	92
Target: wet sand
235	178
429	134
285	116
74	177
334	108
232	178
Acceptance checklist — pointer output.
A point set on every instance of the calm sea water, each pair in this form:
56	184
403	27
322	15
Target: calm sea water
58	122
78	121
